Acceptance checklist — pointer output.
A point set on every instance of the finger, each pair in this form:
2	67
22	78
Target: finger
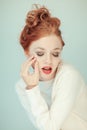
29	59
26	62
27	65
36	68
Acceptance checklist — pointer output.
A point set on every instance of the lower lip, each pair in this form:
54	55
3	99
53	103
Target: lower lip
46	71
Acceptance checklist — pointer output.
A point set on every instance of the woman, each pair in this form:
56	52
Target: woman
54	94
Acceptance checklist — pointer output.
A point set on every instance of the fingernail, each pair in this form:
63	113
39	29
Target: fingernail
30	57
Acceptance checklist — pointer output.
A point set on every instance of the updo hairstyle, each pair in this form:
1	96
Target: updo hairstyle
39	23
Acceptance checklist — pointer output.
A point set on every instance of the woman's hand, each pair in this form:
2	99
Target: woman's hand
30	79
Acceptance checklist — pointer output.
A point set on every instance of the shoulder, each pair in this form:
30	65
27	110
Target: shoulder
68	80
69	74
67	68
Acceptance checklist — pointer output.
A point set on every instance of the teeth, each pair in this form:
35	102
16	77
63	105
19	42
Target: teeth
47	68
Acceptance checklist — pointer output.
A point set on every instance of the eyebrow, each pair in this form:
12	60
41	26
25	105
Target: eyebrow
40	48
44	49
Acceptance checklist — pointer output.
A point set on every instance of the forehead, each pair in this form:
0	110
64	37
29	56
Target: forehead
47	43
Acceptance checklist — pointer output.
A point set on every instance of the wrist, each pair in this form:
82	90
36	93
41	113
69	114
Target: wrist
30	87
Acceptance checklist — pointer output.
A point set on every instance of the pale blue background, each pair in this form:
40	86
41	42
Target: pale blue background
73	15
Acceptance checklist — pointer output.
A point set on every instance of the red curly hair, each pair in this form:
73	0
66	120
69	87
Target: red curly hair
39	23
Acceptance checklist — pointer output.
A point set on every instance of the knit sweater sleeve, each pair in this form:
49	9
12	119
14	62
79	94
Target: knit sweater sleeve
67	89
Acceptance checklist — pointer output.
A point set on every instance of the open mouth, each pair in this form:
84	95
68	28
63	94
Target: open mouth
47	70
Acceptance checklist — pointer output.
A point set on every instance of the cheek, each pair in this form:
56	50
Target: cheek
56	62
39	59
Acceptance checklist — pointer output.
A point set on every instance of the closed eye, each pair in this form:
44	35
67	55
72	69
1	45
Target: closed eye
40	53
55	54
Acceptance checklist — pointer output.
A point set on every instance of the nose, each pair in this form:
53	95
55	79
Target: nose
48	59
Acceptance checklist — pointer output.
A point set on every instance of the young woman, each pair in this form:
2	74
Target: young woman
54	94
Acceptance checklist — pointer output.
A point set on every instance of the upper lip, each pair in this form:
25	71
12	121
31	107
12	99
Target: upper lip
47	67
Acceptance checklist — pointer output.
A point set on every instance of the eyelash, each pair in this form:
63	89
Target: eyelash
56	54
39	53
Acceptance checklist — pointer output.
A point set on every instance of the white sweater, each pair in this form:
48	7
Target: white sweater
62	106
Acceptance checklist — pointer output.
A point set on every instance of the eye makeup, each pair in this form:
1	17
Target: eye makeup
39	53
55	54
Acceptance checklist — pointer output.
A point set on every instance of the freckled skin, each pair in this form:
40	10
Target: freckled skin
48	46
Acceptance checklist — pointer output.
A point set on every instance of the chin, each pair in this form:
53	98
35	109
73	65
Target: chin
45	77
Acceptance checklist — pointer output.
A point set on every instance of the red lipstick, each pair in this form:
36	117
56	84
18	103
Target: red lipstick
47	69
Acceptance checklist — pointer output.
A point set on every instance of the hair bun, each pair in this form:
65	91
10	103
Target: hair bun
35	17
